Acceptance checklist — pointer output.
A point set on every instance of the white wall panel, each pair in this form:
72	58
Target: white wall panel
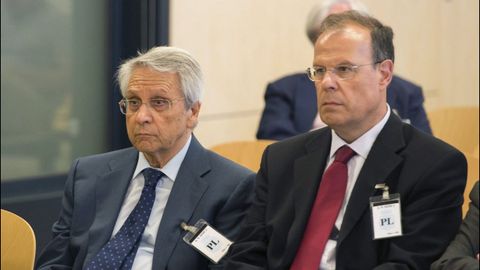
242	45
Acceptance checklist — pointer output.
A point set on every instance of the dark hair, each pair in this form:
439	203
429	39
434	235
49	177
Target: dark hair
381	35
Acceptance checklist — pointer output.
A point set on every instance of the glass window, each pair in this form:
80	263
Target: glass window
54	84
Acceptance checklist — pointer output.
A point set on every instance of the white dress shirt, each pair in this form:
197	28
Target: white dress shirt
362	147
144	256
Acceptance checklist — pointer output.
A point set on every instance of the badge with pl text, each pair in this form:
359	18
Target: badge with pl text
386	214
206	240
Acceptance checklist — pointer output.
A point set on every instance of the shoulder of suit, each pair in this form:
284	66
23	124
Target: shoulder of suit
219	162
474	194
108	156
297	144
418	140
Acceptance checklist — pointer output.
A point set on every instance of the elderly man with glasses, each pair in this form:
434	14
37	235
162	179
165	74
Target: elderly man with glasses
128	209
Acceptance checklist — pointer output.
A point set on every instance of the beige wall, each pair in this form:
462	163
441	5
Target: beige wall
242	45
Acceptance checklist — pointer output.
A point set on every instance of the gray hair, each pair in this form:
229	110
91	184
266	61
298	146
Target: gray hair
167	59
319	12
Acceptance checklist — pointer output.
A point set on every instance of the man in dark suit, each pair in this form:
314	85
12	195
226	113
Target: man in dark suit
105	194
290	102
462	253
352	66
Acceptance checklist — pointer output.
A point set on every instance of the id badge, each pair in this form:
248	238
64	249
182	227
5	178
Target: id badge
206	240
386	215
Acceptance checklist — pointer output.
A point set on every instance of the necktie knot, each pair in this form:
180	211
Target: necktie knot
152	176
344	154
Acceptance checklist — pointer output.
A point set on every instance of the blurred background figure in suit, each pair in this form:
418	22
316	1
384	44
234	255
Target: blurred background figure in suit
291	103
462	253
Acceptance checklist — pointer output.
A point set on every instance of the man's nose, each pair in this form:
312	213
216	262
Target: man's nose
329	81
144	113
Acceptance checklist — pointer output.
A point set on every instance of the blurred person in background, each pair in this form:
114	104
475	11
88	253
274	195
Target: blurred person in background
462	253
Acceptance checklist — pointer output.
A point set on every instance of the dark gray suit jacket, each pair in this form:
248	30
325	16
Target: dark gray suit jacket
428	174
462	252
207	187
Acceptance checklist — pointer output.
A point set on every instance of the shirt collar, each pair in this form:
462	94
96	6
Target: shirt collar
170	169
364	143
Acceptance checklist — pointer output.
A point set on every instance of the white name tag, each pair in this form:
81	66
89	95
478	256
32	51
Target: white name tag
205	239
386	216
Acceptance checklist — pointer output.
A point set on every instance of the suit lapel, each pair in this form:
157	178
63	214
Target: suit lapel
381	161
187	191
307	175
109	194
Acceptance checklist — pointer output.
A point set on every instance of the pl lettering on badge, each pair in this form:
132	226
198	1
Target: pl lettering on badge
386	214
206	240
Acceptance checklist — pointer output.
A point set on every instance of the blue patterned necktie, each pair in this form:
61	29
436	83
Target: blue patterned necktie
119	252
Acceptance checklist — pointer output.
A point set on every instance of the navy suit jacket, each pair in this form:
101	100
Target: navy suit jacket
428	174
291	106
207	186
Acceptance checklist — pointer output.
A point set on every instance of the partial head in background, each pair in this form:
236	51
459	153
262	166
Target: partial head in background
352	67
326	7
161	90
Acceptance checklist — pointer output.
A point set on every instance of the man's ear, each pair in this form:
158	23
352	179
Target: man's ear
386	73
195	112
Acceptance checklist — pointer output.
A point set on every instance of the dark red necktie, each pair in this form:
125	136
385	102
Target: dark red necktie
330	195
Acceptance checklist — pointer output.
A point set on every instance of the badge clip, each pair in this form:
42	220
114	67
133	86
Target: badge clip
206	240
386	214
385	188
188	228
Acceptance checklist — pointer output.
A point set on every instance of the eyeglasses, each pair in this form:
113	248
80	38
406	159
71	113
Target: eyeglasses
129	106
343	72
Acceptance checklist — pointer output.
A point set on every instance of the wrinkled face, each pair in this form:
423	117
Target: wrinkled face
354	105
158	134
